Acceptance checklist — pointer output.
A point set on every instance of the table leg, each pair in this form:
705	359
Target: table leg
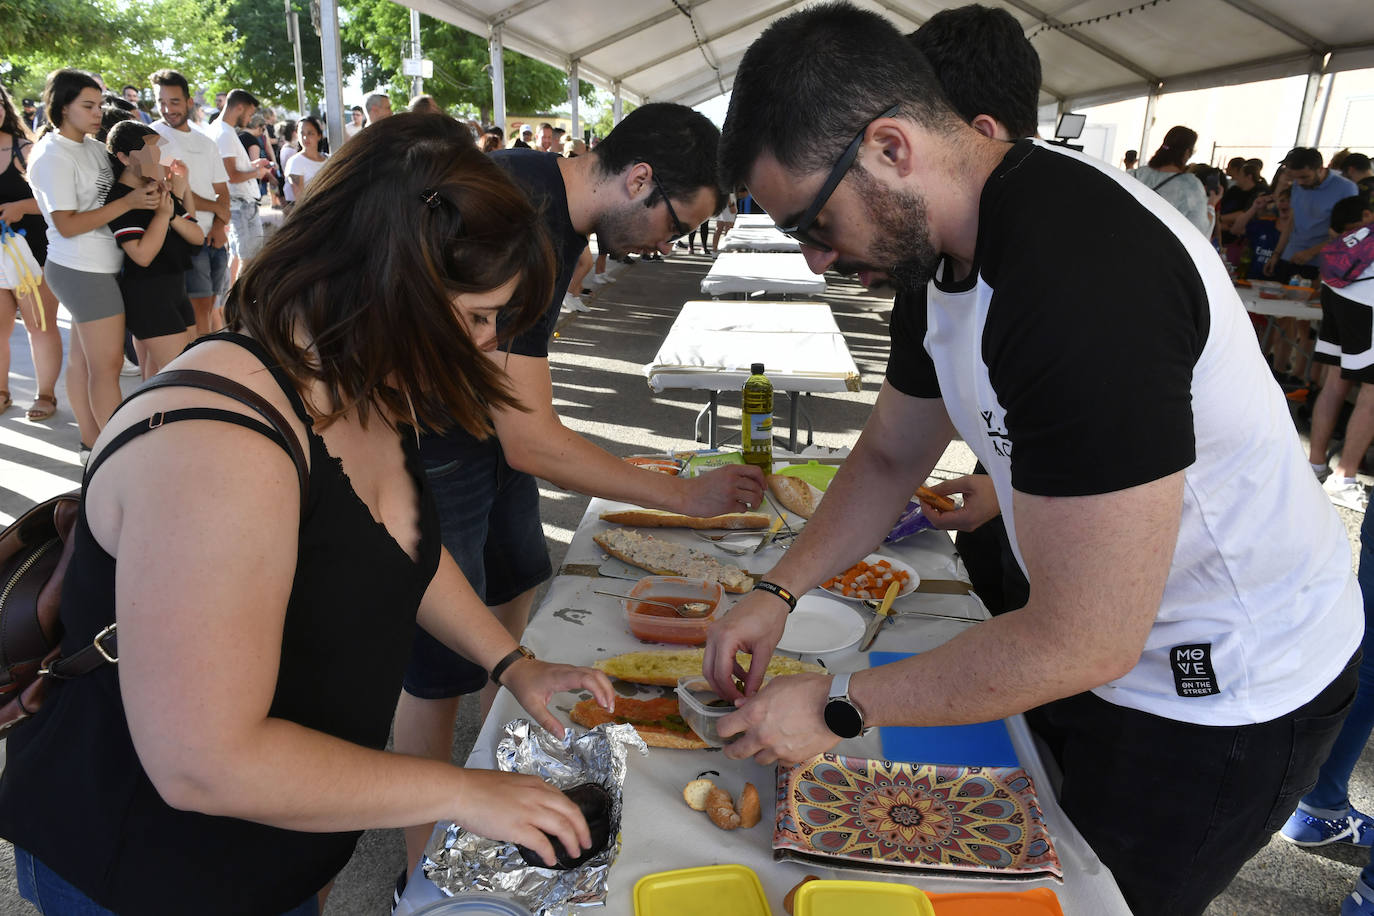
793	408
712	440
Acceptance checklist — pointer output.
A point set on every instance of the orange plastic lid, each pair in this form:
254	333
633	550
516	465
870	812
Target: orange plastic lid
1038	901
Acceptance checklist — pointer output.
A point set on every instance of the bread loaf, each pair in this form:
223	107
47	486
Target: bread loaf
664	558
657	518
796	495
663	667
659	722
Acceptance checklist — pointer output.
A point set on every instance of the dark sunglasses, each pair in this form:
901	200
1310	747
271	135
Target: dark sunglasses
679	228
802	230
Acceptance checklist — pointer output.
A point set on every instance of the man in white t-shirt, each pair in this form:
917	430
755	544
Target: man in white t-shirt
245	226
1191	640
210	186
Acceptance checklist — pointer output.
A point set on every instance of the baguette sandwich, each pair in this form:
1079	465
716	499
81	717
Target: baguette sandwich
663	667
659	722
658	518
664	558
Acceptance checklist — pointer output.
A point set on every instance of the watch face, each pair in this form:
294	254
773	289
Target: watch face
843	719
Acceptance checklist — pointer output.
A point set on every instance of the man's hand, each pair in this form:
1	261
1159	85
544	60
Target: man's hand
732	488
784	722
980	503
218	235
754	625
1304	257
263	166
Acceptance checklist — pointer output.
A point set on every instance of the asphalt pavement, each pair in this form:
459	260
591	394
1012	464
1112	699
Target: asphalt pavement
600	391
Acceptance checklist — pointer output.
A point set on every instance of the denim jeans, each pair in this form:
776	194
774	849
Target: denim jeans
55	896
245	229
1329	797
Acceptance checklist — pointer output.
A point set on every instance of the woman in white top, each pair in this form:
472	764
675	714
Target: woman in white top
309	160
1165	175
70	174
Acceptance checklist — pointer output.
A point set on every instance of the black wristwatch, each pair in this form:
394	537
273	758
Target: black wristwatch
842	716
501	666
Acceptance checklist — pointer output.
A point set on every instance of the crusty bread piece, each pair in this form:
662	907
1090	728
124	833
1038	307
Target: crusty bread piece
647	717
796	495
695	792
721	810
663	667
749	808
664	558
927	495
658	518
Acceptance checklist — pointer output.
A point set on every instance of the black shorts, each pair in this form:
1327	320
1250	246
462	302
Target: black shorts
1347	336
489	516
156	305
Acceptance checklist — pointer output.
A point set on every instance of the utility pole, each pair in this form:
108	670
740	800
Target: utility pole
417	82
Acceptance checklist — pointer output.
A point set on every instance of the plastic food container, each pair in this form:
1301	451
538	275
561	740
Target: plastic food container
871	898
702	708
659	624
476	904
1267	289
713	890
1038	901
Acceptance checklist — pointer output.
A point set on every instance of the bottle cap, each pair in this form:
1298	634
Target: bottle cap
756	368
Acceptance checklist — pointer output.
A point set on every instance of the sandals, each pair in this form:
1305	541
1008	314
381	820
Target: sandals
43	407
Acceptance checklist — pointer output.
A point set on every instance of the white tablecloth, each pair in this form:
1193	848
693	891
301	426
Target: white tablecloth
712	344
758	239
761	272
754	221
659	832
1280	308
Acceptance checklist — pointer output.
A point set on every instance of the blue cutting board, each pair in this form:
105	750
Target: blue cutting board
983	744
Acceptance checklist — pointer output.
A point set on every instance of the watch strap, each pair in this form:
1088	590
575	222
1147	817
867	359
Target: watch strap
839	687
500	668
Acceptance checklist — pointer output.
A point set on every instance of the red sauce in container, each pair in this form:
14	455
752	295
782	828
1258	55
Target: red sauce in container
653	623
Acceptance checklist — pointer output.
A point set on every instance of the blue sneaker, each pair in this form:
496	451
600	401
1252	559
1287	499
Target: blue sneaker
1354	829
1359	902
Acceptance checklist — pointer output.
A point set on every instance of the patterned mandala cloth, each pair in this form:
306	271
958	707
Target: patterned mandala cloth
878	814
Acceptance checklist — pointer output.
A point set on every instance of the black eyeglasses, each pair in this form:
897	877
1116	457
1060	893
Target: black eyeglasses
802	230
679	228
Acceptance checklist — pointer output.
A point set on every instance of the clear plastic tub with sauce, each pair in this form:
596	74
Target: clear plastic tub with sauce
652	623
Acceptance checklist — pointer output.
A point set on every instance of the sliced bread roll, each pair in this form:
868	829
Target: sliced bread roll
664	558
663	667
658	518
659	722
796	495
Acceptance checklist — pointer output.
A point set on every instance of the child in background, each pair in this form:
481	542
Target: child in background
157	244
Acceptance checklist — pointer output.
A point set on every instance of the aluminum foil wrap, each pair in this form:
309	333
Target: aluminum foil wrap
465	862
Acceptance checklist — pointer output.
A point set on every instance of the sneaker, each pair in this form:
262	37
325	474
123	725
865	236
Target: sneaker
1360	901
573	304
1303	829
129	370
1322	471
1346	492
602	279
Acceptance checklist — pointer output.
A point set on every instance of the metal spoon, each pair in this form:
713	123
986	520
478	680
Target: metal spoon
691	609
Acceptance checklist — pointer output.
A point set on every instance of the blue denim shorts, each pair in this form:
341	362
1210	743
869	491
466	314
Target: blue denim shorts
489	515
209	267
53	895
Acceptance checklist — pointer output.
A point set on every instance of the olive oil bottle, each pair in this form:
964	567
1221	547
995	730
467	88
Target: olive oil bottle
756	419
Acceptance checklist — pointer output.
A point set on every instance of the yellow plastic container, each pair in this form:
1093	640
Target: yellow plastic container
712	890
871	898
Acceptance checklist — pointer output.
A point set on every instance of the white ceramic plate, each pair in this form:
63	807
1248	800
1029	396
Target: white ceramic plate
820	625
872	558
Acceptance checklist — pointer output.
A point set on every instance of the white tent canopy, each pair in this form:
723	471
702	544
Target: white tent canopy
1092	51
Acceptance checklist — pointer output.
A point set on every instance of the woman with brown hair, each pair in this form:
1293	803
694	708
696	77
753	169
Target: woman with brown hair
22	286
265	620
1166	174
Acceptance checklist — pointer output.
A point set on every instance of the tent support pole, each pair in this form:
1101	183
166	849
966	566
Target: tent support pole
498	79
617	104
331	52
1309	100
574	83
1150	100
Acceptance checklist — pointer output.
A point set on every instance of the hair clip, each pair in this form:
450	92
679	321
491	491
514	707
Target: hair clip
431	197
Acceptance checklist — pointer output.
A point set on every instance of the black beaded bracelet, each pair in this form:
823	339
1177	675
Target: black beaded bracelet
507	661
781	592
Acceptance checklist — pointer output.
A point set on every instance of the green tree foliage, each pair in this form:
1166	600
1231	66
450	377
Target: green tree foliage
377	31
129	40
265	64
602	125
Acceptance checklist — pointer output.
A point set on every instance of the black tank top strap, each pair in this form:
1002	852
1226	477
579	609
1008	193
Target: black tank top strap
260	352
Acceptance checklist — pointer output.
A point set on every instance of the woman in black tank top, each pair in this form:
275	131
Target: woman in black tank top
230	760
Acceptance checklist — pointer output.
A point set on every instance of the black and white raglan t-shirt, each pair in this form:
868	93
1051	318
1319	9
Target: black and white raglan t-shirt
1098	345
